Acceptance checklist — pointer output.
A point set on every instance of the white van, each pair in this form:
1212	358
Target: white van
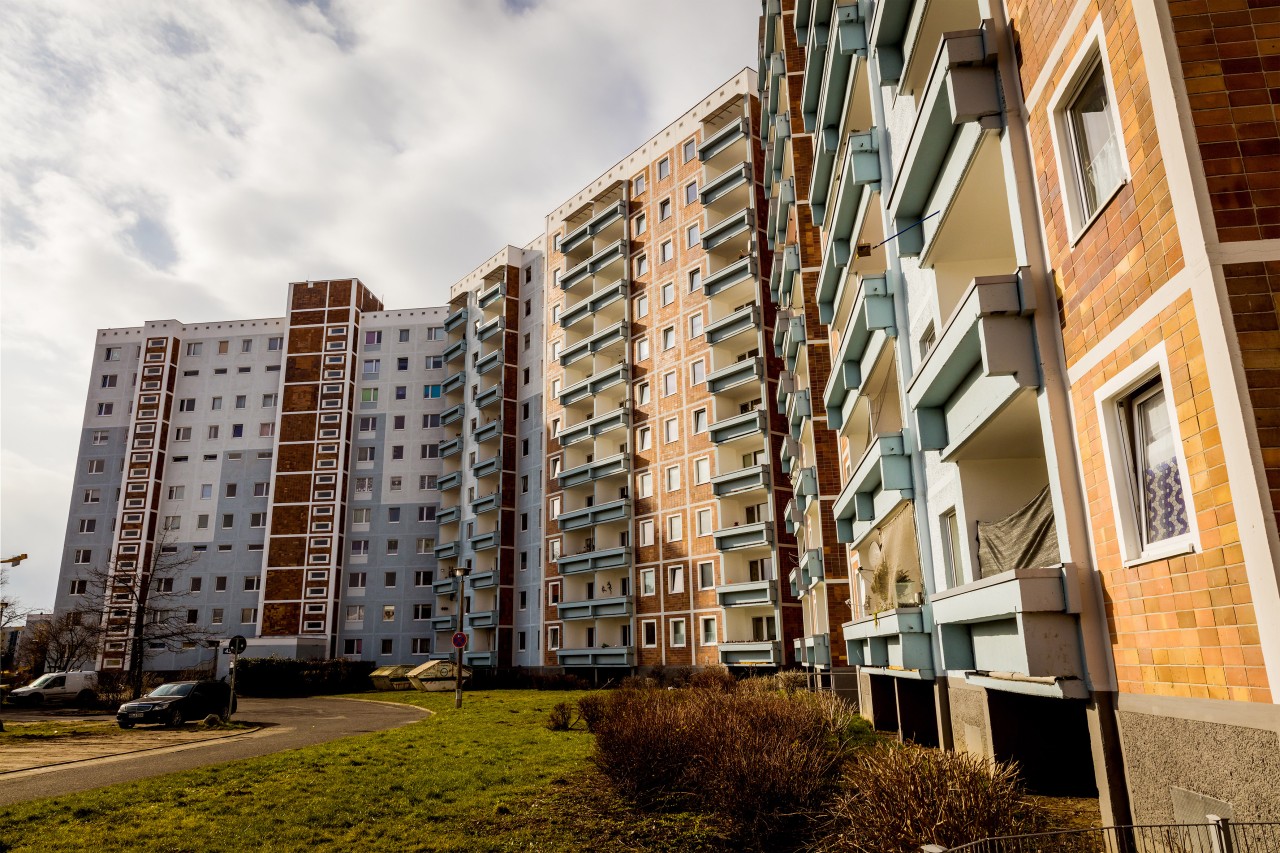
80	687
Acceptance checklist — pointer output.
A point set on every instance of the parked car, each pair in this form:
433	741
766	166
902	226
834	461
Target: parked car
174	703
80	687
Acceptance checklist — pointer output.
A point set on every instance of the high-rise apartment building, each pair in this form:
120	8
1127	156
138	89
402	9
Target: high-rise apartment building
663	483
1044	233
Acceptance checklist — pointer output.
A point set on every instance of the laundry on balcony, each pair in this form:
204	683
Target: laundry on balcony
892	575
1027	539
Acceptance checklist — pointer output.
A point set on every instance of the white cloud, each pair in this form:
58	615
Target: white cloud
187	159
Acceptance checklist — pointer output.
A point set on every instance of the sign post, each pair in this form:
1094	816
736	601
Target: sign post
236	644
460	636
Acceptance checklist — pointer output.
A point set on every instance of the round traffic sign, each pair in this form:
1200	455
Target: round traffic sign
459	640
237	644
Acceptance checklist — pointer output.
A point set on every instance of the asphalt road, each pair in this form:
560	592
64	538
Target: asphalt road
294	723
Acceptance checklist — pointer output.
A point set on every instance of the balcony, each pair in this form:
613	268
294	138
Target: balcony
960	107
487	467
491	294
758	535
489	396
453	414
594	561
763	653
810	568
791	517
745	425
455	351
722	140
777	142
455	320
489	362
448	482
719	187
612	656
448	515
490	430
620	418
488	503
779	210
745	319
615	334
749	594
722	279
448	550
590	516
793	337
880	482
799	409
592	265
593	385
485	542
805	486
611	466
592	304
593	226
986	334
483	619
452	447
815	23
480	658
489	328
444	623
1020	621
445	587
892	639
848	214
738	373
750	479
595	608
728	228
483	580
868	331
813	650
788	454
453	382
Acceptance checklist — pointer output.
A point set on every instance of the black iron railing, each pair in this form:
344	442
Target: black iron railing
1220	835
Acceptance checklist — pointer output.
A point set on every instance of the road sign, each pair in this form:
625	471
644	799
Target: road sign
237	644
459	640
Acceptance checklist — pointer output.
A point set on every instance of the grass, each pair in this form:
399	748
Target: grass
18	732
490	777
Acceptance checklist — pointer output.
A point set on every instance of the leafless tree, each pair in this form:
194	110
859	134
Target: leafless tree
67	641
143	607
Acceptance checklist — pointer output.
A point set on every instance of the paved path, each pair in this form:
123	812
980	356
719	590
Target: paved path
294	723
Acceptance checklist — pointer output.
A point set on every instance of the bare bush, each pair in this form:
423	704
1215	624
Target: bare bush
897	798
561	717
791	680
714	678
591	710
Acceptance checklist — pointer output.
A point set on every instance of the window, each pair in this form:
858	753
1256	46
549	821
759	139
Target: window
648	582
701	469
213	431
430	392
645	532
642	393
669	337
669	383
356	580
423	577
88	525
366	454
237	430
220	583
267	429
368	395
695	280
355	612
194	349
421	645
691	193
176	492
649	631
353	646
361	516
427	513
242	400
691	235
553	634
927	341
642	265
664	209
675	579
644	438
182	434
249	615
675	528
105	409
164	584
642	307
434	362
83	556
275	344
359	547
261	490
187	404
387	647
111	354
703	518
638	225
172	522
708	630
671	430
389	613
952	542
257	519
706	575
642	349
637	185
668	293
100	436
695	325
252	583
664	168
672	477
228	520
677	633
644	485
372	338
1155	479
666	252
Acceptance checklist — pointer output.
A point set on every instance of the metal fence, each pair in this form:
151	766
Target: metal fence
1218	836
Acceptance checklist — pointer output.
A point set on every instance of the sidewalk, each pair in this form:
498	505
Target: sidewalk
84	741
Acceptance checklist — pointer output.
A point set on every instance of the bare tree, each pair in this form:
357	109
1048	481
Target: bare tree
143	607
67	641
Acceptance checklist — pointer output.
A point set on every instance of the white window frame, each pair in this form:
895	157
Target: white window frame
1116	452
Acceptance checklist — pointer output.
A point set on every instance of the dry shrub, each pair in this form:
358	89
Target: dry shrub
590	710
561	717
897	798
636	682
674	676
758	685
717	678
760	760
791	680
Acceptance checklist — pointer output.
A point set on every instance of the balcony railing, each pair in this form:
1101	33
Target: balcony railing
726	277
722	140
593	385
860	172
595	608
488	329
617	333
594	561
592	515
487	467
881	480
748	594
753	423
610	466
894	639
491	294
593	226
745	319
489	396
733	375
748	479
455	350
751	653
485	541
453	414
618	419
490	430
489	362
488	503
728	228
610	656
483	619
455	320
448	482
743	536
870	325
591	305
447	550
719	187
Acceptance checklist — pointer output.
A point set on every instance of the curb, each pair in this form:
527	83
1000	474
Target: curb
189	744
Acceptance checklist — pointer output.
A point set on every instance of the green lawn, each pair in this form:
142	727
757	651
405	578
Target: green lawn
19	732
488	777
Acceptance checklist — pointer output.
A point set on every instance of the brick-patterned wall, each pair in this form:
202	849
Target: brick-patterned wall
1183	626
1254	293
1230	56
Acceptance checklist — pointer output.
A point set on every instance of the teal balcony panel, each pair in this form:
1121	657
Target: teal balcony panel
756	535
453	414
480	658
483	619
615	334
960	106
892	638
838	79
789	454
722	140
871	322
455	351
720	186
749	479
611	466
984	357
444	623
749	594
487	503
779	210
810	568
596	608
489	396
593	226
882	479
485	541
781	133
619	418
591	305
786	279
726	229
448	482
738	373
491	294
777	69
452	447
487	467
445	587
455	320
624	656
860	177
489	328
590	516
764	653
483	580
594	561
453	382
792	340
885	33
447	551
745	319
448	515
813	650
798	410
729	276
490	430
747	424
489	362
593	385
817	29
806	485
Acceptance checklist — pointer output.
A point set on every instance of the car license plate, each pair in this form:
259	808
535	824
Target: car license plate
138	714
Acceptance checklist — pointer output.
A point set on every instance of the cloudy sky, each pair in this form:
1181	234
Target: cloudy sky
187	159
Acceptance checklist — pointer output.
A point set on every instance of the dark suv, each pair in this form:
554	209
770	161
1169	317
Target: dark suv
176	702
